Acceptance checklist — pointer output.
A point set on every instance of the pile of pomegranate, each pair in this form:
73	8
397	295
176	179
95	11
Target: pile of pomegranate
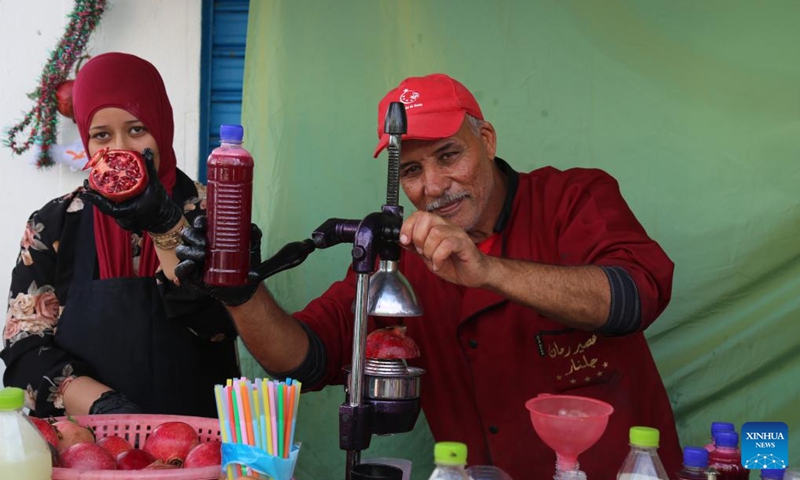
170	445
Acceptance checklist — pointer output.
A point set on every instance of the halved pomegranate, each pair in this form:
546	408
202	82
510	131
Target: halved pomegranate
391	343
117	174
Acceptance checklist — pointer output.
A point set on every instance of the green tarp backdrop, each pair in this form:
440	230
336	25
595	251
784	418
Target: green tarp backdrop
693	106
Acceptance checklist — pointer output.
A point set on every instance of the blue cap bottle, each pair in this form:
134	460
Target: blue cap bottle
717	427
695	463
726	439
772	473
231	133
695	457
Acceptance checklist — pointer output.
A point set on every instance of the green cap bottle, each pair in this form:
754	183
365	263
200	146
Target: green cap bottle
450	453
12	398
644	437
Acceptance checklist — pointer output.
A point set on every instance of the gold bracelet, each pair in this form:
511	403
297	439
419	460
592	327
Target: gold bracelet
168	241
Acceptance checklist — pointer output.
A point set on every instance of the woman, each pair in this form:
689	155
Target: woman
96	323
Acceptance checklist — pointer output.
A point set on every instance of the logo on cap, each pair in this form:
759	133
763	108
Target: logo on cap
408	96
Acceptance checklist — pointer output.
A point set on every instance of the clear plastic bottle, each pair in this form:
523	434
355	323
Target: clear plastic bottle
642	462
772	473
451	461
24	454
230	203
726	457
695	464
717	427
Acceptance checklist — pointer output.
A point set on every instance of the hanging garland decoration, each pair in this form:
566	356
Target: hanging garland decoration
42	118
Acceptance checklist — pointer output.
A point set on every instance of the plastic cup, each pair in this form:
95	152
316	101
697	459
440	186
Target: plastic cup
401	463
375	471
487	472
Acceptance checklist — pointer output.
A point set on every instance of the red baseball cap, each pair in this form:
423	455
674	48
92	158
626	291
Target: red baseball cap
435	108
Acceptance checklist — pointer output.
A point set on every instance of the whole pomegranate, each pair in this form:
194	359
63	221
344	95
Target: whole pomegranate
134	459
171	442
48	432
64	98
204	455
115	445
88	456
391	343
71	433
117	174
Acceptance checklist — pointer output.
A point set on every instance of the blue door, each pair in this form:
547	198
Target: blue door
222	71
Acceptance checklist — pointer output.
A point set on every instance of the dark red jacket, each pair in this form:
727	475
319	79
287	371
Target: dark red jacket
485	355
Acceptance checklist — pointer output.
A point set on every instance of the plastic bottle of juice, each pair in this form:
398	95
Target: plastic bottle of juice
642	462
230	203
24	454
451	461
726	457
717	427
695	464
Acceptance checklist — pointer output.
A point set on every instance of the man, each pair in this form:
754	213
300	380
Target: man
531	283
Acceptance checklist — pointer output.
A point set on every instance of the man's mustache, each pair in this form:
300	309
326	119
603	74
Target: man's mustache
445	200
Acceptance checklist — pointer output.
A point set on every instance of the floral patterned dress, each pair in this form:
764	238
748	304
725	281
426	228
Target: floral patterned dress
40	286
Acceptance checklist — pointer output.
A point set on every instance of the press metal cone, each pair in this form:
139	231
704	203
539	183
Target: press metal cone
390	293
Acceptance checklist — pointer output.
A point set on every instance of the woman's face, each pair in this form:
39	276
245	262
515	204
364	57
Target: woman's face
118	129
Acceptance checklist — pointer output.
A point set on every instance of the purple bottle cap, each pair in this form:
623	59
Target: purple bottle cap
726	439
722	427
231	133
695	457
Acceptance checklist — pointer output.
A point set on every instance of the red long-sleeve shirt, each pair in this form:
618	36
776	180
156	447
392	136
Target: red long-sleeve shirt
485	355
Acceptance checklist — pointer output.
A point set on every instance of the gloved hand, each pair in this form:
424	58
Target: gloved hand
192	254
113	402
152	211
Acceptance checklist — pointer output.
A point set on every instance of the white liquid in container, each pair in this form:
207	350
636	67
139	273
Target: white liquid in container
24	453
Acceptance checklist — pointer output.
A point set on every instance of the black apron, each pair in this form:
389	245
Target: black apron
119	327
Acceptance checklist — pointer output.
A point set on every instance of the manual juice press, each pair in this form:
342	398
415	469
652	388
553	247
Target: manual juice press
381	395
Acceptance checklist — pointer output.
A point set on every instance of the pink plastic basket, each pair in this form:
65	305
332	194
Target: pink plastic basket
135	429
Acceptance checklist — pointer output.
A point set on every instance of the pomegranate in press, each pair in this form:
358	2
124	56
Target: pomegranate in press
117	174
171	442
391	343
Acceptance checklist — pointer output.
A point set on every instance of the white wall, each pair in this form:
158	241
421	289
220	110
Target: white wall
167	33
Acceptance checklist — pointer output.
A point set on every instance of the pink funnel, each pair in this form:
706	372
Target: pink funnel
568	424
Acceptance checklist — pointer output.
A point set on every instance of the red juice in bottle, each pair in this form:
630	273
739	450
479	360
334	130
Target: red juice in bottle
726	457
229	204
695	464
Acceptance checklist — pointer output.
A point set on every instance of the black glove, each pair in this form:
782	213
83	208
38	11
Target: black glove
192	254
152	211
113	402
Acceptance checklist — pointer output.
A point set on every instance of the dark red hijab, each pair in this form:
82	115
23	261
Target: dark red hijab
128	82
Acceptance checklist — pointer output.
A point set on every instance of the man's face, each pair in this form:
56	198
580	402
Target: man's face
453	177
